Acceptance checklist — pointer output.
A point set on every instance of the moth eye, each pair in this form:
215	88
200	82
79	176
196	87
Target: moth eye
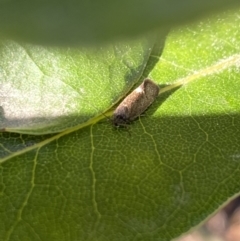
120	120
121	117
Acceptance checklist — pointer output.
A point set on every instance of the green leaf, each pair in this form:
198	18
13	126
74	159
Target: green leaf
61	22
47	90
176	166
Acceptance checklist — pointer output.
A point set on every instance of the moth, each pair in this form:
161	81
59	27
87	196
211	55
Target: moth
135	103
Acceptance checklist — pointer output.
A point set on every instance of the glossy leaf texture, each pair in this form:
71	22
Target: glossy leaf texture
169	171
70	22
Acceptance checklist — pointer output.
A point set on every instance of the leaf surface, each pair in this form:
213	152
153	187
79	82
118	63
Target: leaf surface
46	90
179	164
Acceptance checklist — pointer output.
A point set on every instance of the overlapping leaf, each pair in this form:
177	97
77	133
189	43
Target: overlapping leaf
71	22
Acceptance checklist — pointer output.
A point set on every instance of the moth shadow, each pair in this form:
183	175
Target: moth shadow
161	99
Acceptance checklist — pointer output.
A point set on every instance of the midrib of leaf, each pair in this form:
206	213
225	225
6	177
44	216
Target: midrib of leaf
57	136
218	67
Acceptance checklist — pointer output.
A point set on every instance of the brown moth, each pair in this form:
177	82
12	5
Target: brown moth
135	103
